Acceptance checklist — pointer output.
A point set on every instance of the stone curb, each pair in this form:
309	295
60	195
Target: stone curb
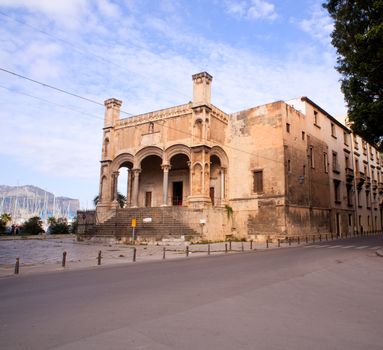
379	252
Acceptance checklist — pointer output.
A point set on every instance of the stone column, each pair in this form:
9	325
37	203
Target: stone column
165	184
222	185
128	184
115	186
136	174
190	178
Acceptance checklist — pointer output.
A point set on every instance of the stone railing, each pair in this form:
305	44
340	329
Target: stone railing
155	115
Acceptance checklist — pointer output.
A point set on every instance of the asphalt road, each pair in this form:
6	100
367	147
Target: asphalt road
326	295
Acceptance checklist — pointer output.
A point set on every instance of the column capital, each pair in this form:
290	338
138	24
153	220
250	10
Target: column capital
136	171
166	167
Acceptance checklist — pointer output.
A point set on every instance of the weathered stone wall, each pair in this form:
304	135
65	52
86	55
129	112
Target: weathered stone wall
255	143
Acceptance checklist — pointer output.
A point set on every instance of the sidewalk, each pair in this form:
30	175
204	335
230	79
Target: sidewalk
45	255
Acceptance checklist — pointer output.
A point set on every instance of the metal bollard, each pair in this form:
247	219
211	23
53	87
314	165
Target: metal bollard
187	250
17	266
242	247
99	258
229	245
267	243
134	254
225	248
208	249
64	260
251	245
164	253
279	243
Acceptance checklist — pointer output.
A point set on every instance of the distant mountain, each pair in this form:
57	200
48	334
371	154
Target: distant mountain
23	202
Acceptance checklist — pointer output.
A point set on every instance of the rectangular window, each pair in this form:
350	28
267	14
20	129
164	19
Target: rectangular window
316	118
356	165
368	199
288	127
337	191
347	162
349	219
349	195
325	162
258	181
311	150
345	138
335	166
359	198
303	135
333	132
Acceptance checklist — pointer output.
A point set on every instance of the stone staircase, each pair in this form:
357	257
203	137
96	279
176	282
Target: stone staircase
166	223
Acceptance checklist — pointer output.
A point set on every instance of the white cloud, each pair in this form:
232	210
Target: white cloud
252	9
69	13
319	25
145	60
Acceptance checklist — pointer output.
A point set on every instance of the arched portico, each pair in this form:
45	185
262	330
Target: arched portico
218	166
123	161
179	178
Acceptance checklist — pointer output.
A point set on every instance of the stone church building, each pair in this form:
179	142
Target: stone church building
281	169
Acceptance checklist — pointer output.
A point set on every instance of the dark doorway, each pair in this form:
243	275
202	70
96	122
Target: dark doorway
212	195
337	224
177	193
148	199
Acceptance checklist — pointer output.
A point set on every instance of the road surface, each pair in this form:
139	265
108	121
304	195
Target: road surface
327	295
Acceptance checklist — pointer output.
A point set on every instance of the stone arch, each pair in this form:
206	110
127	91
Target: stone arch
178	157
120	160
176	149
221	154
145	152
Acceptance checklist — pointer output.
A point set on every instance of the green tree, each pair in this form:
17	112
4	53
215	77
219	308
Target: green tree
33	226
4	219
358	39
120	198
58	226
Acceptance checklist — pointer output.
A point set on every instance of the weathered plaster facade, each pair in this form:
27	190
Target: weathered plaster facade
285	168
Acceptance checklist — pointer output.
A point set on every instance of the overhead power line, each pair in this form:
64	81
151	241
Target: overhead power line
82	50
156	121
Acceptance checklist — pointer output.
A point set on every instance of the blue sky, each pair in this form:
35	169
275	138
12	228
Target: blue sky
144	53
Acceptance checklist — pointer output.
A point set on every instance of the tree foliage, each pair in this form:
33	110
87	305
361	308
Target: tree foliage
32	226
358	39
4	219
58	226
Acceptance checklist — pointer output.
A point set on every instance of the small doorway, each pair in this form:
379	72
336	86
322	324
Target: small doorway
148	199
212	195
338	224
177	193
